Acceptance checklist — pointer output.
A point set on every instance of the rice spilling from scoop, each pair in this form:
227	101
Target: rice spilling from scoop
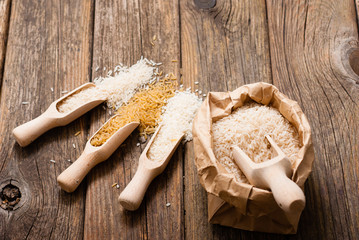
177	120
246	128
144	107
117	89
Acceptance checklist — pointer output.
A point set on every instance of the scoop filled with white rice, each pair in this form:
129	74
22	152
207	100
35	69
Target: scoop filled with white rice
246	128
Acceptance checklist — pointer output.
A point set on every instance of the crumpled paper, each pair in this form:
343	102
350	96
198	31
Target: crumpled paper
241	205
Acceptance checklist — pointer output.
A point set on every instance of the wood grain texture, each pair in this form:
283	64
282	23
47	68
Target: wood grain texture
160	18
4	26
307	48
357	9
116	40
222	48
311	44
48	47
124	31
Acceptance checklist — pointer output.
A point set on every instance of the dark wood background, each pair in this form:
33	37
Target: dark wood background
307	48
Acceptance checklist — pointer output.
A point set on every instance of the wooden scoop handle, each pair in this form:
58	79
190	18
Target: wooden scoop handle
71	178
272	174
131	197
288	195
28	132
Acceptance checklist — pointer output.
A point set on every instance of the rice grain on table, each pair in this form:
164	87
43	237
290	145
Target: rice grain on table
246	127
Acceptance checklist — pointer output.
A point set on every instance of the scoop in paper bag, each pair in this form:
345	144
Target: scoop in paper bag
241	205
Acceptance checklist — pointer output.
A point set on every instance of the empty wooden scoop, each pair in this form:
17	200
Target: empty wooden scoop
28	132
274	175
147	170
91	156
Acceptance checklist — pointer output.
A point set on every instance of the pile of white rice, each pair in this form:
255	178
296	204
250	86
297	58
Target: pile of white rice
246	127
177	120
117	89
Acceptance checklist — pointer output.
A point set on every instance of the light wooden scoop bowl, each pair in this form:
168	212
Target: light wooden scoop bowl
274	175
71	178
147	170
28	132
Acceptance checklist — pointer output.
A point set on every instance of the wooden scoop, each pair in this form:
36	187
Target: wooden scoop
91	156
147	170
28	132
274	175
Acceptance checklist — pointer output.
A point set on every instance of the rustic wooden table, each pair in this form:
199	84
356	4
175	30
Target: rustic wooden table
307	48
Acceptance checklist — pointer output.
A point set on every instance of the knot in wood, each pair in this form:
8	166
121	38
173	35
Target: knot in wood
10	195
354	60
205	4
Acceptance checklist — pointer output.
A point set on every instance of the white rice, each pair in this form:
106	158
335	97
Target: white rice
246	127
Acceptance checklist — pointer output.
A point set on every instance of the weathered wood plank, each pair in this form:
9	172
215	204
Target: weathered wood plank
314	54
222	48
4	25
160	18
116	40
49	46
313	46
123	32
357	9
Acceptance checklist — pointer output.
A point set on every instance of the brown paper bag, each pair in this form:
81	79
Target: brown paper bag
241	205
